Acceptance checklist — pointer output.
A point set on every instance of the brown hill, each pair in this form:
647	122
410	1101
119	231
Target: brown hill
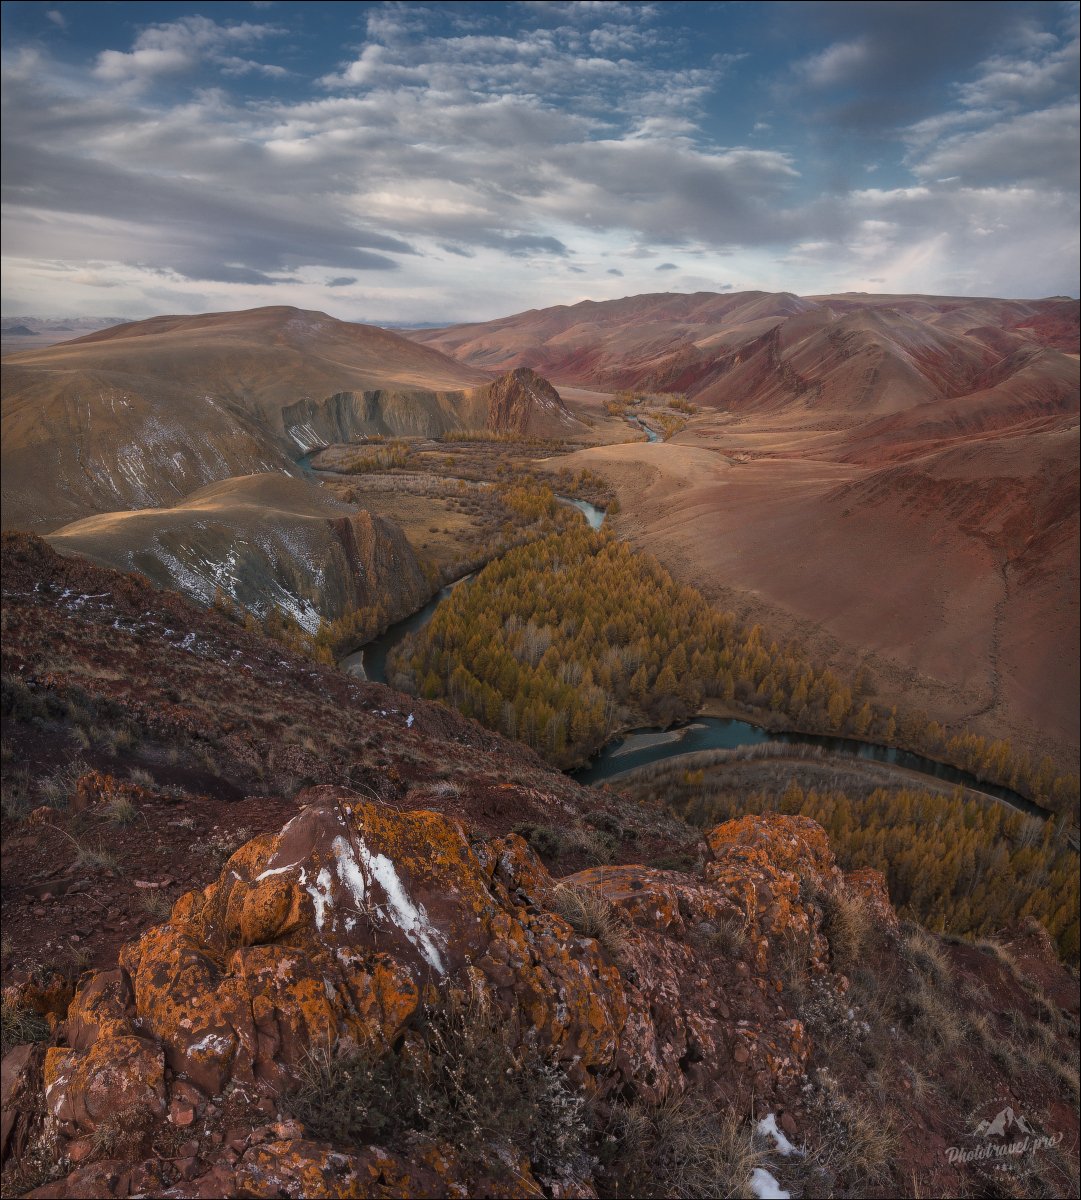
142	414
521	401
851	355
261	540
273	935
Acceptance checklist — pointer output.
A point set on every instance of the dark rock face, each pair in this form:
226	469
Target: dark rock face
524	402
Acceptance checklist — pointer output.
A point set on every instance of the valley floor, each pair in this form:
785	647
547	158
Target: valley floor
772	522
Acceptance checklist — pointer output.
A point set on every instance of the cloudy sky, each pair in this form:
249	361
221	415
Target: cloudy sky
407	162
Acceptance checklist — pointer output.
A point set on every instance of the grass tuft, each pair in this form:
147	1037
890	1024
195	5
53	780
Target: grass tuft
591	914
18	1026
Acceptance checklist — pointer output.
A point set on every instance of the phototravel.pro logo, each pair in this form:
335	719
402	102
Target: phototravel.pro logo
1001	1137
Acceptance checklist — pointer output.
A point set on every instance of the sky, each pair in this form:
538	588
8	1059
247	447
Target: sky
429	163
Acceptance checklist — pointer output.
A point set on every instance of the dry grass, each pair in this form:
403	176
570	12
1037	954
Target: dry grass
937	1021
57	788
157	905
923	951
592	915
120	811
19	1026
726	936
858	1144
682	1147
849	927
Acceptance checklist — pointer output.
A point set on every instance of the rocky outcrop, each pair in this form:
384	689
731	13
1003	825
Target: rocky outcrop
265	542
521	401
347	926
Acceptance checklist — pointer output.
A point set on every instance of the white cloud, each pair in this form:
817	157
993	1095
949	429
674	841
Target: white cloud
1034	147
181	45
837	64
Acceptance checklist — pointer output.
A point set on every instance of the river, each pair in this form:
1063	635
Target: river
641	747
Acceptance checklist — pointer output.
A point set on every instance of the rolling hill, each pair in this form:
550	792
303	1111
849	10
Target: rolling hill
851	356
260	540
141	415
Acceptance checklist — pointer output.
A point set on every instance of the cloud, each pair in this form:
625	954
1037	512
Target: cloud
57	18
839	64
1034	147
892	68
459	153
181	45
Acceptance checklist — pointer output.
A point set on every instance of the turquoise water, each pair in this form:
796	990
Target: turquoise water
721	733
653	437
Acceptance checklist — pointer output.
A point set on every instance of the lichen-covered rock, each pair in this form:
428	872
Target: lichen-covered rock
20	1079
770	867
330	930
342	926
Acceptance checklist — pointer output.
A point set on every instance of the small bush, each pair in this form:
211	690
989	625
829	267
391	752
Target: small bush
119	1135
592	915
19	1026
456	1079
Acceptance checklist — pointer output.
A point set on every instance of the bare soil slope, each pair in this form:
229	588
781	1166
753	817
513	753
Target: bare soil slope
261	540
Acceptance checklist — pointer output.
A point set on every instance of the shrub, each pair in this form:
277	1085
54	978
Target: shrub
19	1026
456	1079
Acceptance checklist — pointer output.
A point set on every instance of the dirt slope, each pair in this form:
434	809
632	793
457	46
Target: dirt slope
261	540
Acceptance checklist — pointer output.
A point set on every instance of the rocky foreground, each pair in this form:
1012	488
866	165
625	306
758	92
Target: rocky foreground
373	998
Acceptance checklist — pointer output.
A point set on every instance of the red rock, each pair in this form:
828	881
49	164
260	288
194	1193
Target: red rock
20	1082
181	1113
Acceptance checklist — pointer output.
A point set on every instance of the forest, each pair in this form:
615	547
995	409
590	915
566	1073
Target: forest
573	637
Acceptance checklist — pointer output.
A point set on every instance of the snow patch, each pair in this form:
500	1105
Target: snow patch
411	918
212	1041
765	1187
767	1127
320	893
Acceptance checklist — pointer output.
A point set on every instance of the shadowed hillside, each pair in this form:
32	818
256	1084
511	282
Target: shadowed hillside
270	931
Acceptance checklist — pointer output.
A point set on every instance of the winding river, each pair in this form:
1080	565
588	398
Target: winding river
642	747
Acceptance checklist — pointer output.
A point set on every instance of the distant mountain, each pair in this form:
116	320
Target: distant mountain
852	355
141	415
